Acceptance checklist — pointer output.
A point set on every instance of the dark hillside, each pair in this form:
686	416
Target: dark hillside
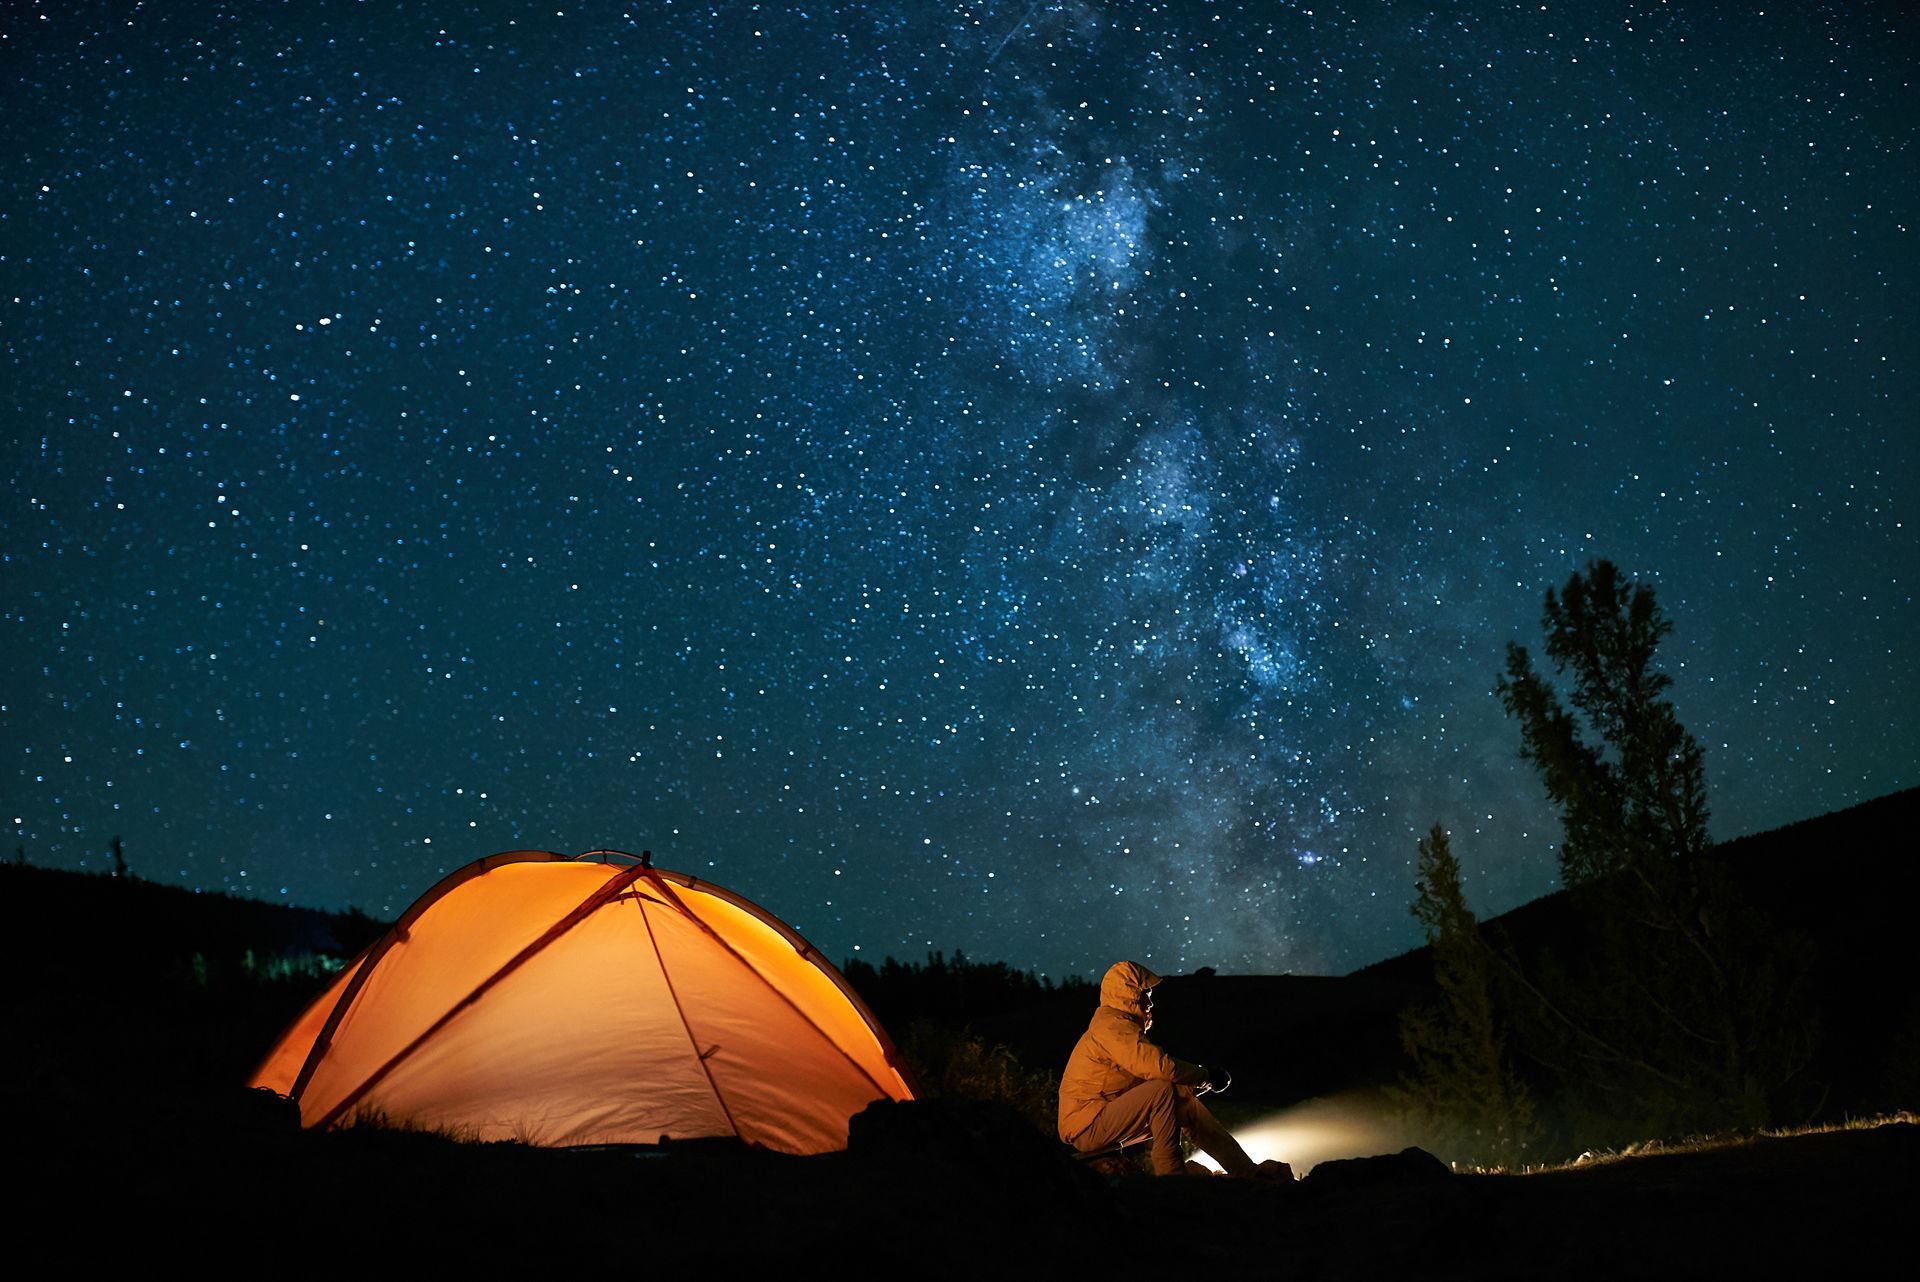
1846	877
1846	881
113	981
127	918
193	987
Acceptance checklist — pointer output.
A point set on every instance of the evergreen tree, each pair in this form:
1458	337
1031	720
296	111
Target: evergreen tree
1683	1011
1459	1088
1637	796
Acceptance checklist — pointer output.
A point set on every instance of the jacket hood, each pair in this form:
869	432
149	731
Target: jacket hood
1123	986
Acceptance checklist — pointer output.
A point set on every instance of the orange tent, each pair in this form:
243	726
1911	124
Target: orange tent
561	1001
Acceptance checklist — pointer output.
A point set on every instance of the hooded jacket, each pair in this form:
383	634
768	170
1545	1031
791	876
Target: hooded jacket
1113	1056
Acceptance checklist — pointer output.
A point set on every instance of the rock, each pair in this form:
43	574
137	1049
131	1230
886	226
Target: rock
951	1132
973	1153
1409	1168
258	1109
944	1130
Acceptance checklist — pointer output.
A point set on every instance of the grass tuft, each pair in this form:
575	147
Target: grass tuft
1710	1143
377	1121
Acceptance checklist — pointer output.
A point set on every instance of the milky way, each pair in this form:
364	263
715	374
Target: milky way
1053	480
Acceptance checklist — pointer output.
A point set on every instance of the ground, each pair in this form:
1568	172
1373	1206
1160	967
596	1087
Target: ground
222	1182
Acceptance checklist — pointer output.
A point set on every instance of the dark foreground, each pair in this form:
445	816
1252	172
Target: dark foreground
222	1185
132	1009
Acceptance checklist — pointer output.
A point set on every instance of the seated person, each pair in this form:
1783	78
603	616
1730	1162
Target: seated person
1119	1086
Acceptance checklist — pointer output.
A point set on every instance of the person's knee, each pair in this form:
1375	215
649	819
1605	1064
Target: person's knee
1163	1097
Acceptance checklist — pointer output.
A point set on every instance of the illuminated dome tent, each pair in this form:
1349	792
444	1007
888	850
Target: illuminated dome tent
564	1001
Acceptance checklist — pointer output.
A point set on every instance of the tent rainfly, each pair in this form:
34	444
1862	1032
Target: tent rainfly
594	1000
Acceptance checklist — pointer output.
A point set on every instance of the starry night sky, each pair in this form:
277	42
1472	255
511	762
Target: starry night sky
1051	479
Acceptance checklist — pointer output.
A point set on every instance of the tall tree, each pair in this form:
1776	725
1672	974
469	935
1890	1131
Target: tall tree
1636	792
1684	1011
1459	1088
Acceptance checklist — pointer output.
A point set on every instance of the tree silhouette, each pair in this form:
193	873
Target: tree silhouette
1682	1009
1635	792
1459	1088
